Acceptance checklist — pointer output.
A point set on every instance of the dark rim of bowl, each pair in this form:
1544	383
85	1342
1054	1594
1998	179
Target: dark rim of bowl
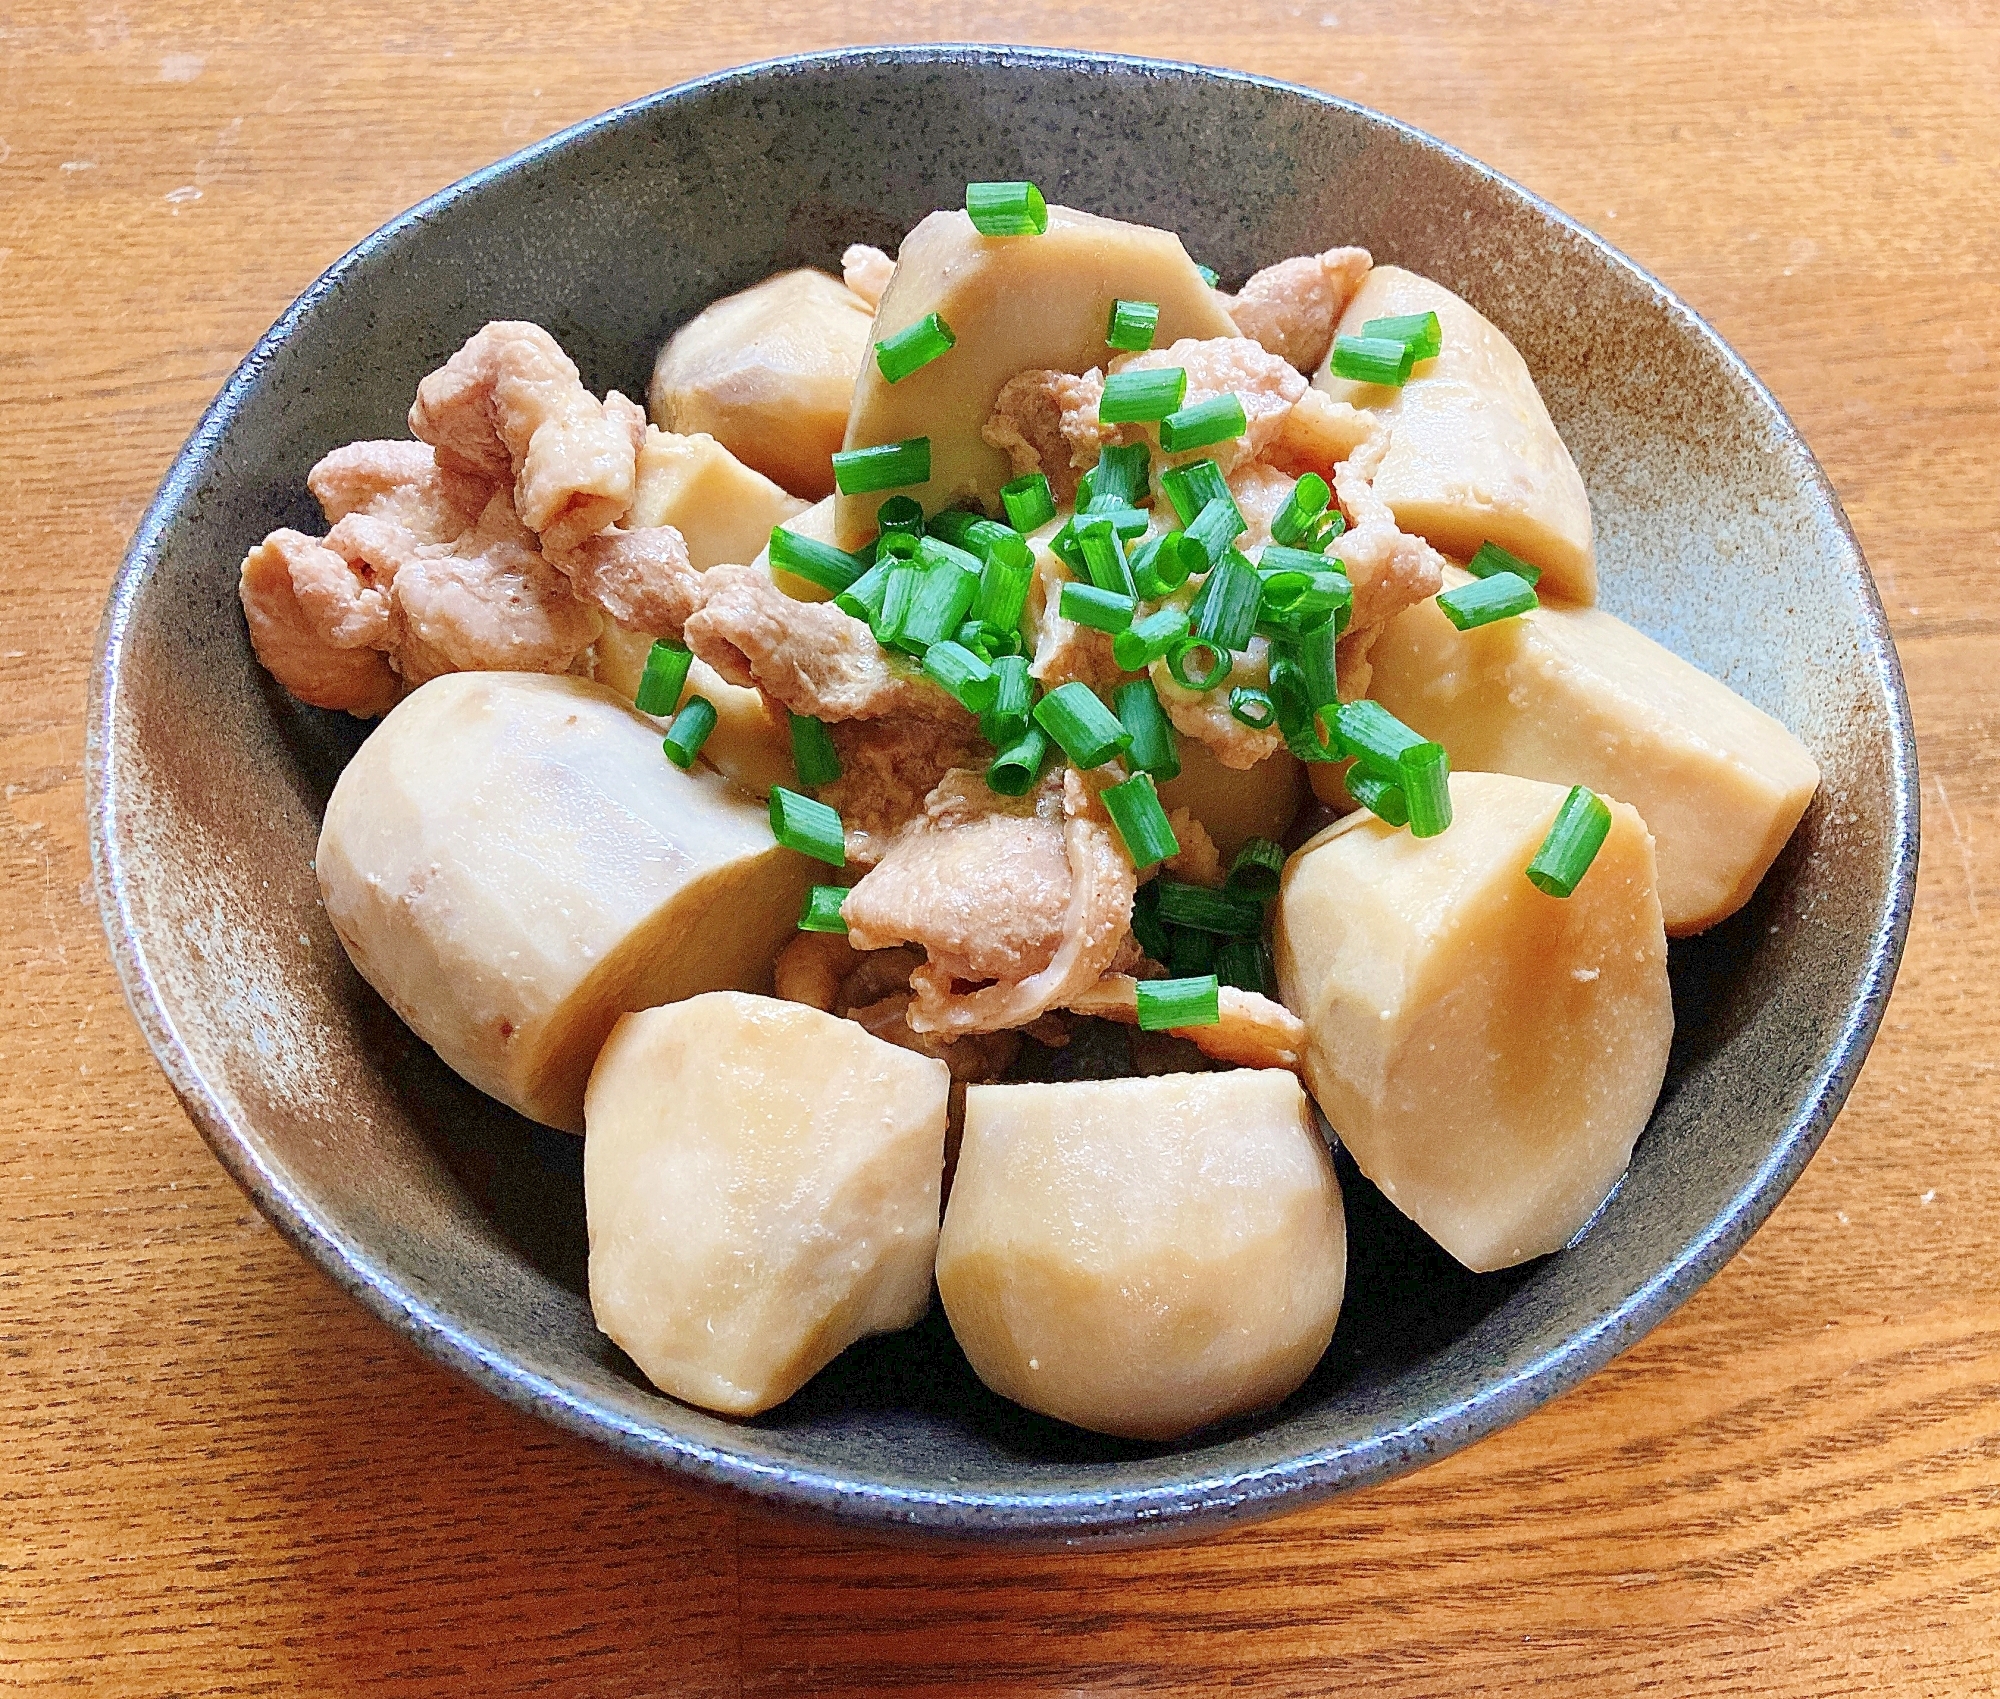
1163	1508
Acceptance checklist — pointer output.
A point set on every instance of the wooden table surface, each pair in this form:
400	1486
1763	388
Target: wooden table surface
219	1477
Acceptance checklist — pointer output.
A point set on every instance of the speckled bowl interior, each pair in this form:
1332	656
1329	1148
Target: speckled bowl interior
462	1225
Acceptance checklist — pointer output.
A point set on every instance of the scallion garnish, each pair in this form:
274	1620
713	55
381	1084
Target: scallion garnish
862	599
1133	324
811	828
1296	522
1165	1004
1255	872
941	551
1426	787
1147	927
665	677
1117	481
1240	962
816	562
1378	795
1374	736
822	910
1148	640
1224	611
887	466
1218	525
814	758
1143	397
970	680
1313	649
1006	209
1089	733
1492	559
1253	707
1016	768
1101	610
1141	822
1154	748
1484	600
1190	951
1013	696
1003	592
1182	904
898	597
1215	420
974	636
900	513
1420	332
1029	502
908	350
1581	826
1104	556
1372	359
1163	565
689	731
944	597
1187	652
1192	487
1209	274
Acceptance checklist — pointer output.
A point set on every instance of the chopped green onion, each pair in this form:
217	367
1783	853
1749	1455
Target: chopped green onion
1013	696
1133	324
816	562
1154	748
811	828
1104	556
1163	565
972	635
1192	487
1225	608
814	758
1294	601
689	731
1255	871
1182	655
1182	904
900	513
1117	481
1003	592
1088	732
1029	502
1016	768
941	551
1217	419
1006	209
1318	665
1378	795
1374	736
862	599
822	910
1148	640
1217	526
1330	527
898	598
1581	826
1001	640
1485	600
945	595
1304	737
1146	926
1165	1004
1492	559
1372	359
1101	610
1240	962
1421	332
1141	822
1253	707
955	525
969	679
1190	951
1296	522
910	350
1426	787
887	466
1209	275
1132	398
1281	557
893	546
665	677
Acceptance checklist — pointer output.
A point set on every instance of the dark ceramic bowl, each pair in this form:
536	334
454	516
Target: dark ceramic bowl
462	1226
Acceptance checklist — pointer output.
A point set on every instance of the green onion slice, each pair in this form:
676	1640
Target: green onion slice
1147	927
1165	1004
1016	768
1317	660
1148	639
969	679
1485	600
1581	826
887	466
862	599
1163	565
665	677
1218	525
1255	871
1426	787
1141	821
814	758
909	350
1192	487
1217	419
689	731
1013	696
1006	209
944	597
816	562
1117	481
1378	795
1182	904
1104	556
1088	732
1225	608
1374	736
1492	558
1187	652
1101	610
1143	397
1191	952
1253	707
900	514
1029	502
811	828
941	551
822	909
1154	748
1003	592
1209	274
898	597
1420	332
1240	962
1372	359
1298	520
1133	325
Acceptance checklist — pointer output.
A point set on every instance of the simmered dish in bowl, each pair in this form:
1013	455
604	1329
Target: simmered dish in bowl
1220	665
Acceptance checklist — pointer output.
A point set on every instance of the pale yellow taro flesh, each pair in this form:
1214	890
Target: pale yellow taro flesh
768	373
1015	304
1488	1053
1143	1256
751	744
1236	806
761	1183
723	509
1473	456
1577	697
512	863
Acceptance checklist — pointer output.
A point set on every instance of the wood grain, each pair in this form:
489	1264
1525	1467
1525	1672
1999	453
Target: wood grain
216	1477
